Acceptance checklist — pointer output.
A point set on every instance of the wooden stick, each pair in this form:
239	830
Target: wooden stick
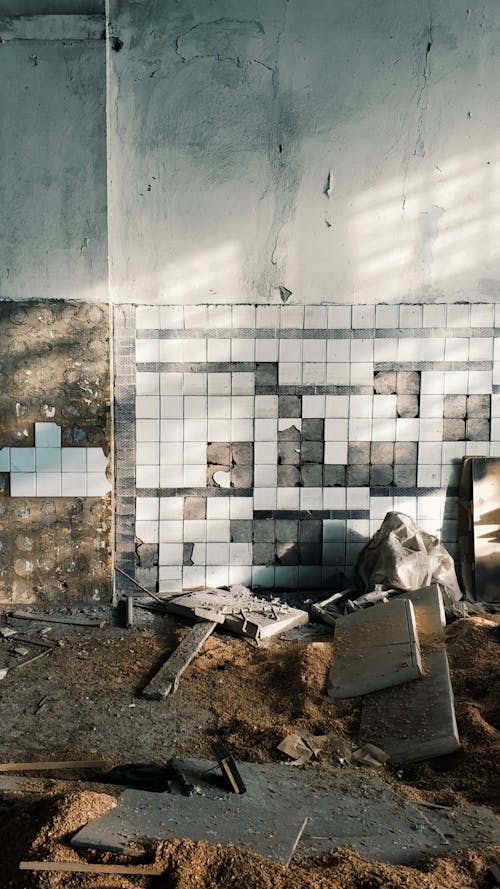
57	619
139	585
296	843
166	681
85	868
35	657
46	766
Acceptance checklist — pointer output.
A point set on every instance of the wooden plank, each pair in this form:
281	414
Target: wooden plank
229	768
166	681
58	619
85	868
54	766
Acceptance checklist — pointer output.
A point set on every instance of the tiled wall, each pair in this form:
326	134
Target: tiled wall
272	440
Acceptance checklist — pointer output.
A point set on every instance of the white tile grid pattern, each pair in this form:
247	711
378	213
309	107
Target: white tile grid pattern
177	414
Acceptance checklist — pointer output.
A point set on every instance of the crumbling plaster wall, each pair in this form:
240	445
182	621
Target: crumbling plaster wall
346	150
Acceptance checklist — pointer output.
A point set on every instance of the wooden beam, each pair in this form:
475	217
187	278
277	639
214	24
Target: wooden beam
85	868
166	681
47	766
57	619
52	27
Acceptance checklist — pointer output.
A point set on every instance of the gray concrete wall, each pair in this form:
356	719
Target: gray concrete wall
227	117
53	231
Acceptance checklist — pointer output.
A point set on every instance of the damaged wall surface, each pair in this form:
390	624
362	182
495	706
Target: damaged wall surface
342	151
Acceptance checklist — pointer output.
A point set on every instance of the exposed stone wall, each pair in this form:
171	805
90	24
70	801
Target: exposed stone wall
54	359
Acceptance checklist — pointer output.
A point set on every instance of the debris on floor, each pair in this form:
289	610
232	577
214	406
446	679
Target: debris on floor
479	521
166	681
302	746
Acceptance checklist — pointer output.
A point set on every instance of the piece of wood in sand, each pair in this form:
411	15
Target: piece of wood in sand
55	766
59	619
85	868
166	681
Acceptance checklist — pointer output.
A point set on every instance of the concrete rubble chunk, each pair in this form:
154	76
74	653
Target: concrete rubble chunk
417	721
374	649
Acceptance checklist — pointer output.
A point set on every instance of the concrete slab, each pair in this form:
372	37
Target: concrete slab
348	807
373	649
417	721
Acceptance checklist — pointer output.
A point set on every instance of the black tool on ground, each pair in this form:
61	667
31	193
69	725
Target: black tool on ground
140	776
229	768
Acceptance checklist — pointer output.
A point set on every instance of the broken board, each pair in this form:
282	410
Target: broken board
239	611
166	681
417	721
373	649
347	807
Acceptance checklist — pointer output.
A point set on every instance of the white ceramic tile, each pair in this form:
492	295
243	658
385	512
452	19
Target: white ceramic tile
315	317
147	351
288	422
311	498
219	317
432	382
334	529
241	430
242	349
334	498
195	531
265	475
429	476
219	384
195	350
147	407
458	315
292	316
195	406
170	554
335	452
358	498
452	450
266	430
22	459
171	532
219	350
410	316
145	476
218	530
169	579
195	452
266	452
171	383
219	407
314	350
193	576
385	350
496	373
243	383
218	508
267	317
362	350
195	430
314	374
266	349
147	430
431	429
241	507
218	553
147	531
456	349
196	317
173	350
406	505
338	350
339	317
96	460
290	350
171	317
265	498
74	484
360	429
244	407
199	554
384	429
74	459
495	405
356	528
432	349
408	349
219	429
495	429
480	382
243	316
195	476
222	478
147	317
482	315
217	576
481	348
5	460
386	316
337	429
149	453
171	475
495	449
477	449
171	406
380	506
286	576
363	317
147	508
456	382
384	405
49	484
434	315
47	435
361	406
361	374
427	452
195	383
431	406
407	429
240	553
338	374
497	315
337	406
288	498
313	406
48	459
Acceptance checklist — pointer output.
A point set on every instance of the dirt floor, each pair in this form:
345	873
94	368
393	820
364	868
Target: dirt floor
82	700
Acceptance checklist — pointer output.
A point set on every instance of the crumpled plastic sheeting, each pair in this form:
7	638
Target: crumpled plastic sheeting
401	556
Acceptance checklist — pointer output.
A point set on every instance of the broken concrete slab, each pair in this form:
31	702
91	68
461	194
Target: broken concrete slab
374	649
239	610
417	721
166	681
348	808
